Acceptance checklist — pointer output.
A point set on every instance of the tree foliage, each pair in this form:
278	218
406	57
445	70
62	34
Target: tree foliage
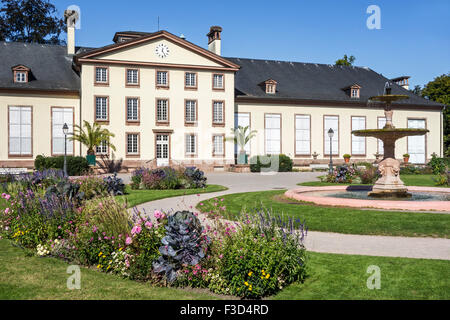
31	21
346	61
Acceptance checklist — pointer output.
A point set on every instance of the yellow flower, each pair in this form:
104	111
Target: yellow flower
100	253
246	283
262	277
120	249
250	274
250	288
99	266
268	276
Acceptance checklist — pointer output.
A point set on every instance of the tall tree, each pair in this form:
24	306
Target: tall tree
30	21
439	90
346	61
417	90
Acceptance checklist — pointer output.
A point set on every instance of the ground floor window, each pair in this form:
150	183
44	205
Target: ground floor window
132	143
191	144
20	131
358	143
102	149
218	145
60	116
273	133
302	134
243	120
417	144
381	124
333	123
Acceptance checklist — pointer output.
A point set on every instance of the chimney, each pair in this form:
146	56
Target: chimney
214	39
402	81
71	17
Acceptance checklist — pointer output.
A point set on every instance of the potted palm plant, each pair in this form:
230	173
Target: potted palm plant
91	137
241	136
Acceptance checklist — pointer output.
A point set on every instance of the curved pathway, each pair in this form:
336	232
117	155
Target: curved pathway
408	247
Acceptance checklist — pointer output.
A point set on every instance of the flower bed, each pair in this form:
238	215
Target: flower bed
253	258
168	178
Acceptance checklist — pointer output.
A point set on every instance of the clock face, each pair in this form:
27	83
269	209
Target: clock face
162	50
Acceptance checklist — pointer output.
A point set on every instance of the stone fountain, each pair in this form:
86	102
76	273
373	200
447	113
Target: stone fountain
390	184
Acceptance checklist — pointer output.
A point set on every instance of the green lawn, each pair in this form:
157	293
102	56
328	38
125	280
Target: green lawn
331	276
337	219
135	197
425	180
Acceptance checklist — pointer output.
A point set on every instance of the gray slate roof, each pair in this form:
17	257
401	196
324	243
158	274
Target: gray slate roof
51	67
311	81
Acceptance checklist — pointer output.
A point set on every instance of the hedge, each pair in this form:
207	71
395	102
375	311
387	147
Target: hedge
76	166
284	163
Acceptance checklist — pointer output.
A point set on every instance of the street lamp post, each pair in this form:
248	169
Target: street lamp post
331	134
65	130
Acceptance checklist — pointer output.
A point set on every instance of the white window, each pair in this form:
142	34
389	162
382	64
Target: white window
132	76
101	108
102	149
191	111
20	131
21	76
218	81
132	109
416	144
162	110
162	78
302	134
273	133
333	123
218	112
358	143
60	116
218	143
355	93
190	79
132	143
243	120
191	144
101	75
381	124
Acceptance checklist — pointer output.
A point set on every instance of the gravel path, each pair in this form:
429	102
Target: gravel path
408	247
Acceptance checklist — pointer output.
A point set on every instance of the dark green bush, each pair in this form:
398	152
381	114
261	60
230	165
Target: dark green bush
76	166
438	165
280	163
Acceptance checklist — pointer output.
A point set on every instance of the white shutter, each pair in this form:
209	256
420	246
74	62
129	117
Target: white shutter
59	117
243	120
273	133
416	144
358	143
20	119
333	123
302	135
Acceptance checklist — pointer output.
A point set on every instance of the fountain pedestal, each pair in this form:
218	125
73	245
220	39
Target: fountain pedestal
390	184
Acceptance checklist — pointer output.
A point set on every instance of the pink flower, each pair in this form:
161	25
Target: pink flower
201	203
148	225
194	272
6	210
158	214
136	229
128	241
100	205
94	229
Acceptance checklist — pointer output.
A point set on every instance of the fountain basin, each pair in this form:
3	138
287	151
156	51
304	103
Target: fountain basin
323	196
391	134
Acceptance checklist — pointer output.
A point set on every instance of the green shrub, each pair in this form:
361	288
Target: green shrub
438	165
76	166
280	163
410	169
92	186
369	175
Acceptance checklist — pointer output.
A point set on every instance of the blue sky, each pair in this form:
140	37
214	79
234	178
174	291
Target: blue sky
414	38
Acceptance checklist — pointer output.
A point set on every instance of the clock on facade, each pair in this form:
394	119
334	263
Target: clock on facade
162	50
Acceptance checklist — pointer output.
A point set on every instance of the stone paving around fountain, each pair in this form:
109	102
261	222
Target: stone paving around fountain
408	247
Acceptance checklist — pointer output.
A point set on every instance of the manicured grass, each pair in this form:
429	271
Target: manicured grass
336	276
424	180
337	219
135	197
331	276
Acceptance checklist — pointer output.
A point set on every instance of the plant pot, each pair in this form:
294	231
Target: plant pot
405	160
242	158
347	160
91	159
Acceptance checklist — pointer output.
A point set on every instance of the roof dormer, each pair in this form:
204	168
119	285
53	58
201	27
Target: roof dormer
270	86
21	73
353	91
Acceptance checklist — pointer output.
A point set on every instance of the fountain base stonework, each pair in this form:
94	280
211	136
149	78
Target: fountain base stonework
390	184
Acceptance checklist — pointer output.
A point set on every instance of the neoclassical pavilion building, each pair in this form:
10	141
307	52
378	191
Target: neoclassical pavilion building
169	101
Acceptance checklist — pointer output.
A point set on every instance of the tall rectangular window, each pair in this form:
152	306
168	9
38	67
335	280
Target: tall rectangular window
132	144
333	123
218	145
242	119
132	77
381	124
191	111
162	110
101	75
132	109
358	143
218	81
162	78
417	144
191	144
102	148
273	133
20	131
302	134
190	80
101	108
218	112
60	116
